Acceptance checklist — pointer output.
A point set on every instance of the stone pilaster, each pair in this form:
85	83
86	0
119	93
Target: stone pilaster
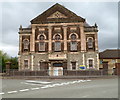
65	38
83	39
32	40
20	44
50	38
96	41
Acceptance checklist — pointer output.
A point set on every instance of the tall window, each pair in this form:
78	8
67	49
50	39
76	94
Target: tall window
41	37
26	44
57	45
42	46
73	46
90	43
26	63
90	63
73	65
73	37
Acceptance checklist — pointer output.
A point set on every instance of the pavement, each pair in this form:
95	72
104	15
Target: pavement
60	88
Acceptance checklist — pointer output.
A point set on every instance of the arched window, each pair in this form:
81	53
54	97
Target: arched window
73	37
57	37
26	44
41	37
90	43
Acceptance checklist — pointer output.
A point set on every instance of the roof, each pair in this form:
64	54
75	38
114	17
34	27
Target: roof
110	54
70	16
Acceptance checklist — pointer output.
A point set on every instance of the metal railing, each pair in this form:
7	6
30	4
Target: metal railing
65	72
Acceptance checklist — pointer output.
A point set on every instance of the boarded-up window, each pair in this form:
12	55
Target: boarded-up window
26	44
57	46
73	46
73	65
42	46
90	43
90	63
26	63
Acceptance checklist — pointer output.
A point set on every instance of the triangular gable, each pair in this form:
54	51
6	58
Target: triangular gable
57	14
50	16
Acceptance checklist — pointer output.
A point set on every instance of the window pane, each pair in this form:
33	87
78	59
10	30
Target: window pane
57	46
90	63
73	65
73	46
41	46
26	43
26	63
90	43
57	37
73	36
41	37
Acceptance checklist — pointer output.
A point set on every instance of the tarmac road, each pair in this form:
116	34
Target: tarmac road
97	88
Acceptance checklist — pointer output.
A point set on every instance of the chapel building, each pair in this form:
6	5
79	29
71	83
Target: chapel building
58	39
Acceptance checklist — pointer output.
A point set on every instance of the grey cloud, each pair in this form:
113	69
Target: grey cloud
105	14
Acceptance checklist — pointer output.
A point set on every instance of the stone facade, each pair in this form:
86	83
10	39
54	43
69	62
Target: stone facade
58	38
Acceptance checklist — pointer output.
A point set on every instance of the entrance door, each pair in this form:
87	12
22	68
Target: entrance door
56	70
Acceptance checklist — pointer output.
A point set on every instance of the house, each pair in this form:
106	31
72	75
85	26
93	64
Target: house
58	39
109	60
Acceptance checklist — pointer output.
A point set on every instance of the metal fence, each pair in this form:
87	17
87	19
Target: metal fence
65	72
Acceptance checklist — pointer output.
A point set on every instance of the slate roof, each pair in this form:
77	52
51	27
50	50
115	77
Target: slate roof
110	54
71	17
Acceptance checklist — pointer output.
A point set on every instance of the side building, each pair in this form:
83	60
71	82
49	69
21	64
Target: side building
58	39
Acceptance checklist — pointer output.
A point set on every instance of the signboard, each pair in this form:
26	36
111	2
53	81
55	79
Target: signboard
82	67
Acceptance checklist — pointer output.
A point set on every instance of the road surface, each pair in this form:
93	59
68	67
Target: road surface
67	88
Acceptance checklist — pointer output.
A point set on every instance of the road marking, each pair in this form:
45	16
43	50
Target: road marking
40	82
35	88
12	91
2	93
24	90
30	83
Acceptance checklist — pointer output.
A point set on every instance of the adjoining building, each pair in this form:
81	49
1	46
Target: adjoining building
110	60
58	39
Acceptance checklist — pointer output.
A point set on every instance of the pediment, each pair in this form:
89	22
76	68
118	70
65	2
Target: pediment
57	14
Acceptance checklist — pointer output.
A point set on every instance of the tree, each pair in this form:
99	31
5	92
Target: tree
4	57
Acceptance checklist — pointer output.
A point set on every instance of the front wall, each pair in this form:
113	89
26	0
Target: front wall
71	56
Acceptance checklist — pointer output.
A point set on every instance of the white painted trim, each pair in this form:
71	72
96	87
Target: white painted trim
41	34
57	34
75	34
83	59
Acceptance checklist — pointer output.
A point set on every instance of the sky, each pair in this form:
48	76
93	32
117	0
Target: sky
14	14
